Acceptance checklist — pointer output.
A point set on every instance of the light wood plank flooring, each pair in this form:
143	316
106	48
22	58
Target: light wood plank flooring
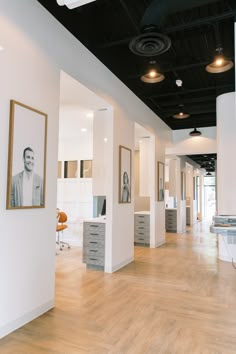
176	299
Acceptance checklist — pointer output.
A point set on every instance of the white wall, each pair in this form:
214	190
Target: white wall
226	147
27	236
36	48
183	144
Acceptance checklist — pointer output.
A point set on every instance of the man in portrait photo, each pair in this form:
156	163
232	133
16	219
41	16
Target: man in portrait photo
27	186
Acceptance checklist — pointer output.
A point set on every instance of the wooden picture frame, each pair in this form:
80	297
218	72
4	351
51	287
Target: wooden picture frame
125	161
183	185
160	181
26	180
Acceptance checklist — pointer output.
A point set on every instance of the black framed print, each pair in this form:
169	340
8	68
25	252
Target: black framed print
125	158
160	181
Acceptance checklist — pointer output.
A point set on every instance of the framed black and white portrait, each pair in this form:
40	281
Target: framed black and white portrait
160	181
125	158
26	157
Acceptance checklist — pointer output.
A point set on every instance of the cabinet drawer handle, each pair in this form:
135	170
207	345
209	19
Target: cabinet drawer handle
92	242
92	250
141	228
93	225
93	259
141	238
93	234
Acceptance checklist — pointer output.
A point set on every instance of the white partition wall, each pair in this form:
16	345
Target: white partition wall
27	264
226	147
36	48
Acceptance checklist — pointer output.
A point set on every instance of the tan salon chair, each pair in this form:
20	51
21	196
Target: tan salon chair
61	226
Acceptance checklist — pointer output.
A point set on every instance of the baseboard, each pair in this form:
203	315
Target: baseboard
225	258
158	244
122	264
28	317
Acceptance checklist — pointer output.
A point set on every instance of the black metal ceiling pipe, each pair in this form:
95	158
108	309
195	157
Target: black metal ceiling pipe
156	14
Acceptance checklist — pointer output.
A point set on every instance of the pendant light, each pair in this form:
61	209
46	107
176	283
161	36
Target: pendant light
181	114
195	132
220	63
152	74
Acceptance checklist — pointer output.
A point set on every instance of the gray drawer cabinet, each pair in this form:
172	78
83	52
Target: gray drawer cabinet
94	245
171	220
142	229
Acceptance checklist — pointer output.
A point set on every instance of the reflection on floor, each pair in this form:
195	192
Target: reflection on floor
175	299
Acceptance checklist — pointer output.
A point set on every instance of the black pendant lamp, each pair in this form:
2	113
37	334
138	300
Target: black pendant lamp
152	74
195	132
220	63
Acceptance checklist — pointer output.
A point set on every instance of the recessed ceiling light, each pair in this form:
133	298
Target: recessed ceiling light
105	139
83	129
89	115
1	48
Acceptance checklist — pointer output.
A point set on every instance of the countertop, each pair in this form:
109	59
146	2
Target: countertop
222	229
100	219
142	212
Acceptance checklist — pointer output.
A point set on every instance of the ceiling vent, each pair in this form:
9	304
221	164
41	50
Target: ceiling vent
151	42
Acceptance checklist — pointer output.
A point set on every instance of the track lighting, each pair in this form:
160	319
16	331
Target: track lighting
195	132
220	63
152	75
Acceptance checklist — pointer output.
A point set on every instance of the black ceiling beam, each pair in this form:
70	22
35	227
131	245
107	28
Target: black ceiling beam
191	111
171	29
174	68
187	91
186	101
134	24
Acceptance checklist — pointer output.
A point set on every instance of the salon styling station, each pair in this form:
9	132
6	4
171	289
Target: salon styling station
225	228
142	228
94	231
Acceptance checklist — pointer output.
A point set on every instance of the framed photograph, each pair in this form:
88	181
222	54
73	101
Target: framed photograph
125	158
183	185
160	181
26	157
194	188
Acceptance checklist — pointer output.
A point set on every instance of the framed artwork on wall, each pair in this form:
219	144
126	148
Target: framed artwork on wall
183	186
26	157
160	181
125	158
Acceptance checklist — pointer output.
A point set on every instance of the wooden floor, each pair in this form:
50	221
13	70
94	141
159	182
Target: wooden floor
176	299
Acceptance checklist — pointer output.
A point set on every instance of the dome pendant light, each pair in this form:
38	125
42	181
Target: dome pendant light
195	132
181	114
151	75
220	63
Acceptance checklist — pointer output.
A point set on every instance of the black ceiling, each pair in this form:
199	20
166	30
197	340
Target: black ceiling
106	28
206	161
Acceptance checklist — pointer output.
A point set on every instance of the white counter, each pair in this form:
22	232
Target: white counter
142	212
101	219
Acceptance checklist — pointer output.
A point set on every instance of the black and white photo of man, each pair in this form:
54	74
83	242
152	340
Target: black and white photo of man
27	186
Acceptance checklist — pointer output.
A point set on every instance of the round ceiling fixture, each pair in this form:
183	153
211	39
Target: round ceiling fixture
151	74
150	44
195	132
220	63
181	115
